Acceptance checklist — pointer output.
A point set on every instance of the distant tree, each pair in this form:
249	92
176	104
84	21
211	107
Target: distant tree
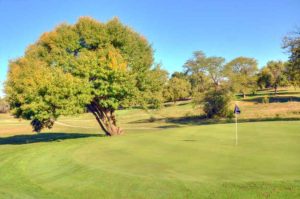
241	73
198	80
199	83
292	74
4	106
177	89
207	76
157	80
93	65
292	44
211	67
264	78
277	71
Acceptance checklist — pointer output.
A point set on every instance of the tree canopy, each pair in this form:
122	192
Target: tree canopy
93	65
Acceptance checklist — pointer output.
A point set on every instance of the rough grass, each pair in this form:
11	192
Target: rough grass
173	156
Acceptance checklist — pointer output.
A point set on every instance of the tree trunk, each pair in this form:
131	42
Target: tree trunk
105	118
275	87
244	95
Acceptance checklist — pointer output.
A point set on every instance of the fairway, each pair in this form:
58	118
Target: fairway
184	162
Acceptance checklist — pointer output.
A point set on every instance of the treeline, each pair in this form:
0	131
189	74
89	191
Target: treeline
212	82
240	76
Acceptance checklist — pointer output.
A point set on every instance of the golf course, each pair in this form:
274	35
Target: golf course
149	99
158	156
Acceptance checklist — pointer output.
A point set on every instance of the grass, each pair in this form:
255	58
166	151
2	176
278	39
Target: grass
171	157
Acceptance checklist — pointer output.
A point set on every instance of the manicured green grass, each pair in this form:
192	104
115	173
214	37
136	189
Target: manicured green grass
183	162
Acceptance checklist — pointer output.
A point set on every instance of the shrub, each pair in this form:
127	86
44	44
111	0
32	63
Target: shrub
216	103
152	119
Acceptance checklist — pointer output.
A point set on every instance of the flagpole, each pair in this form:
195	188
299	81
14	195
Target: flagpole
236	130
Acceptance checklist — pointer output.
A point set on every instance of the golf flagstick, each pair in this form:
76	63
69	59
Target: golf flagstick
236	130
236	112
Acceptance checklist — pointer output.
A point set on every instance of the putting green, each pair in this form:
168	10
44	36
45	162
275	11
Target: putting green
184	162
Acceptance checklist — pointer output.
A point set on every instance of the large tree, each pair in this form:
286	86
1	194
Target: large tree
93	65
241	73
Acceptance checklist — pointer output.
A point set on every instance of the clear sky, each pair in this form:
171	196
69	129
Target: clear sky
176	28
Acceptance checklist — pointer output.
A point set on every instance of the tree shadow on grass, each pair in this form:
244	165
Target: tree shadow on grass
274	99
44	137
169	126
148	120
281	93
178	122
178	103
201	120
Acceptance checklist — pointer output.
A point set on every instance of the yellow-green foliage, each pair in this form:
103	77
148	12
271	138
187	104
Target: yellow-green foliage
177	89
39	92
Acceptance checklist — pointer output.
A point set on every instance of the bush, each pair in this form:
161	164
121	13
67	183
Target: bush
152	119
216	103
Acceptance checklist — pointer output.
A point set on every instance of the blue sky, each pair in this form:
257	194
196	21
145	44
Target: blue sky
227	28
